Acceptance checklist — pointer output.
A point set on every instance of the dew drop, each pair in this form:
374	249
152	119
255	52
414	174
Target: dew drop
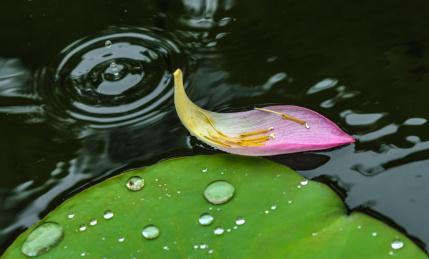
219	192
205	219
397	244
240	221
42	239
218	231
203	246
135	183
210	251
314	234
121	239
273	207
304	182
204	170
108	44
166	248
93	222
108	214
70	215
150	232
374	234
83	254
82	228
195	246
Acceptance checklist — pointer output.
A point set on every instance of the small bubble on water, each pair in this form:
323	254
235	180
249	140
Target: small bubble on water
240	221
218	231
219	192
93	222
304	182
397	244
82	228
150	232
205	219
121	239
70	215
42	239
108	214
135	183
108	44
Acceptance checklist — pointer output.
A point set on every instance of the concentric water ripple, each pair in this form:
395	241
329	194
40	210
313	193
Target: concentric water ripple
113	79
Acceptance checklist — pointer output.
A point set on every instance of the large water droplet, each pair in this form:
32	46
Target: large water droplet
397	244
240	221
135	183
108	214
218	231
150	232
42	239
206	219
219	192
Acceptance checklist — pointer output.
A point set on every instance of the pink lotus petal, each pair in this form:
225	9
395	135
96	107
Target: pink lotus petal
271	131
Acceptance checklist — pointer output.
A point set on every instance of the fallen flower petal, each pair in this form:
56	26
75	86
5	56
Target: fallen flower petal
263	131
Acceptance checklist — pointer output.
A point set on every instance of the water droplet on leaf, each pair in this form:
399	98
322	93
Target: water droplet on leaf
82	228
42	239
93	222
135	183
70	215
108	214
304	182
205	219
240	221
150	232
397	244
218	231
219	192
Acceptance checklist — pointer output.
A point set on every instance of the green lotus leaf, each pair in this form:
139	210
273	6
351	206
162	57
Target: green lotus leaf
164	211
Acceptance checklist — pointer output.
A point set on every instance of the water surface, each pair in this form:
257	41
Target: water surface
86	91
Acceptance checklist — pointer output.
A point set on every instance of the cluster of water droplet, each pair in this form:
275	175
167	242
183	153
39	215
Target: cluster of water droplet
49	234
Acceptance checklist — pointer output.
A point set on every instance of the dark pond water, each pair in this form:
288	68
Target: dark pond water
86	91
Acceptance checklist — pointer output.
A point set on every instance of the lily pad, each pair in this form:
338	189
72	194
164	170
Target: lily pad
273	213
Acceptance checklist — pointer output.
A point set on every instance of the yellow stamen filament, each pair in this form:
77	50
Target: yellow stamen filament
286	117
258	132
